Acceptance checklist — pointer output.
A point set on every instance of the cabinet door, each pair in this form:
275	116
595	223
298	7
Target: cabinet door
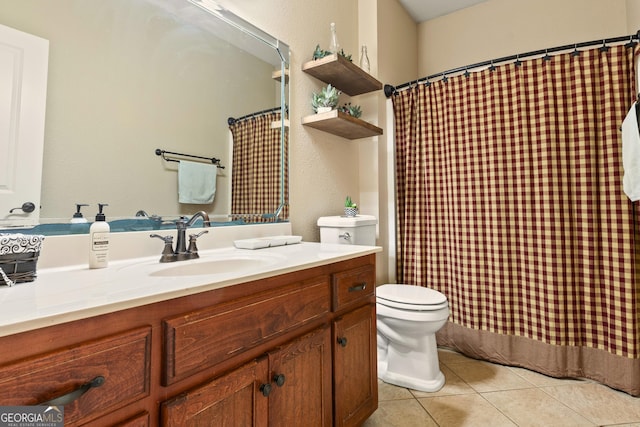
355	367
233	400
301	382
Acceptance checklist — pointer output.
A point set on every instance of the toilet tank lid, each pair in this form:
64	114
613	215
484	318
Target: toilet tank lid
347	221
410	294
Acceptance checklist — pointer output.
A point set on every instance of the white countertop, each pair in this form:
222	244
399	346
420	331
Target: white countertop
70	293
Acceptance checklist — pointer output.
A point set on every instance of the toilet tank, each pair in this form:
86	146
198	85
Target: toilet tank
344	230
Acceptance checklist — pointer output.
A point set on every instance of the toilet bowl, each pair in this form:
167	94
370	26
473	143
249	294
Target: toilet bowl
407	319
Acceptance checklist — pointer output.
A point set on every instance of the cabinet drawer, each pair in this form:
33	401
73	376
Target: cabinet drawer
123	361
202	339
353	285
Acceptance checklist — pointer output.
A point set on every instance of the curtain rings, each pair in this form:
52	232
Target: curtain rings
631	43
575	52
604	47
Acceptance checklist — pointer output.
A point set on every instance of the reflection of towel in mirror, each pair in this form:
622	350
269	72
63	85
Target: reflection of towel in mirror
196	182
631	155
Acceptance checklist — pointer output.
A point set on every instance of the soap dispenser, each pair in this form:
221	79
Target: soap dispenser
78	223
99	240
77	217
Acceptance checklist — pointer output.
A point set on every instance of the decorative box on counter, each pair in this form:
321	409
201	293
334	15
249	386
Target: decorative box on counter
18	257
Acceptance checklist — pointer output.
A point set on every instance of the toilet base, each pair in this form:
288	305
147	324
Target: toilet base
417	369
415	384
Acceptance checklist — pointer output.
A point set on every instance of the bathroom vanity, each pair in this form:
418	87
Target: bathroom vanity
281	336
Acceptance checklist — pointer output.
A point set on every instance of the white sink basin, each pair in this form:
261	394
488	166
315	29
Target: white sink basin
209	267
215	265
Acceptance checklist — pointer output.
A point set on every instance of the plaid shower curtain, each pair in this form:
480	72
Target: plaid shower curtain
257	161
510	202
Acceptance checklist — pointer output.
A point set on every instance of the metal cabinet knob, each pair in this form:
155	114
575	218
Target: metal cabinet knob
265	389
279	379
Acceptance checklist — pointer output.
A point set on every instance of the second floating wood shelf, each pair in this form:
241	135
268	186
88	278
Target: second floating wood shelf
341	124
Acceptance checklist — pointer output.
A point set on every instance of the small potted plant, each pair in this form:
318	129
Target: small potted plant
319	53
350	208
352	110
326	100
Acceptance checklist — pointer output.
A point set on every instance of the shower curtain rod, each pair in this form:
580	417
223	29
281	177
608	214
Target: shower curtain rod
231	120
390	90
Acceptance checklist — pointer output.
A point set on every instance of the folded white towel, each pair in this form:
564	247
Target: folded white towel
196	182
631	155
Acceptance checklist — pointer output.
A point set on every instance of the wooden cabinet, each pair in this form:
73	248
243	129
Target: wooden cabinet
139	420
197	340
355	367
355	394
301	378
291	386
289	350
90	379
234	399
350	79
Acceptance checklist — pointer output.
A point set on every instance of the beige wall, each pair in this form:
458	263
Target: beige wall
633	16
498	28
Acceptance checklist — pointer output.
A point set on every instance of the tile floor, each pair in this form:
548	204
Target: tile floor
483	394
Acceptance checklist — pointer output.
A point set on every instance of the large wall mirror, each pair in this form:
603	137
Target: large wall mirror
129	77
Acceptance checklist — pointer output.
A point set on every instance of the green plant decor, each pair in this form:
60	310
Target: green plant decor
347	57
348	203
319	53
328	97
352	110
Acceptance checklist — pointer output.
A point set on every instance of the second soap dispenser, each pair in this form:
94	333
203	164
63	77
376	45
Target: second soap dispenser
99	240
78	223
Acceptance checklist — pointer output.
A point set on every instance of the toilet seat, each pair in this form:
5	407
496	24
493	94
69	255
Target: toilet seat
412	298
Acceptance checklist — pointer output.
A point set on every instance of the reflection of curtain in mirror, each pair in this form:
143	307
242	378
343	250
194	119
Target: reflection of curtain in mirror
256	168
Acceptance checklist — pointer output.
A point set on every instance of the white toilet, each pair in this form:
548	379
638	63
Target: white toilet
408	317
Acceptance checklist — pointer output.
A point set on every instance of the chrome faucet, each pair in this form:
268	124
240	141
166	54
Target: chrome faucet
182	252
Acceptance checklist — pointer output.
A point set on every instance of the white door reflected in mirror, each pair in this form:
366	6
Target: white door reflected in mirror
23	94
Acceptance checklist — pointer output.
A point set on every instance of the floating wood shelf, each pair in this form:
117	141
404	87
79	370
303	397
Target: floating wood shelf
342	74
341	124
277	75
